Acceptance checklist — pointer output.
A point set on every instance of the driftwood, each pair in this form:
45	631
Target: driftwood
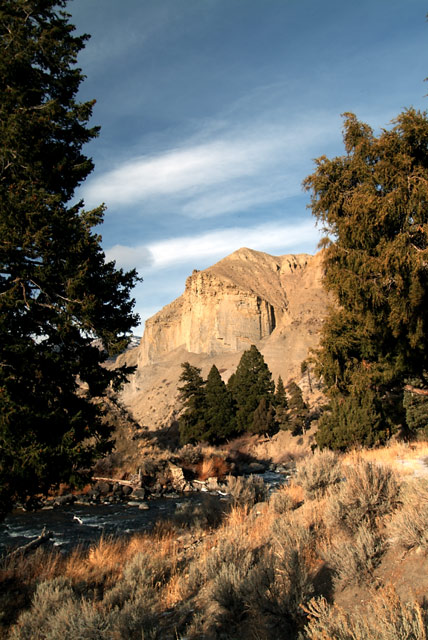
416	390
30	546
127	483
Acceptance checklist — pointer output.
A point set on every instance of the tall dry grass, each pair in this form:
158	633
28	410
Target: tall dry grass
269	570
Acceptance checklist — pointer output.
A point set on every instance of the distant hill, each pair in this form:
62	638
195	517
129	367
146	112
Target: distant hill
275	302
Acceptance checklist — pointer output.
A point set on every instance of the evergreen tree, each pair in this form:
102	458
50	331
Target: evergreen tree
251	382
297	409
192	423
264	419
220	414
372	203
57	293
416	407
281	405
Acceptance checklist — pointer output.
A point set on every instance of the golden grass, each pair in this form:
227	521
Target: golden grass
405	458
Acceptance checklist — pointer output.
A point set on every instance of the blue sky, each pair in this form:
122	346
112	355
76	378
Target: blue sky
212	112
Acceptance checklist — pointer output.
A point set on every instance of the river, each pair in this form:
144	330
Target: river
84	524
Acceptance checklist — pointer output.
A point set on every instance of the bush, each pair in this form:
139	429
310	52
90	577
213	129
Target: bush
409	525
318	472
369	492
386	618
246	491
353	560
57	613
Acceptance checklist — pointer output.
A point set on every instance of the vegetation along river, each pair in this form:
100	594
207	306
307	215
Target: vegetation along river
83	525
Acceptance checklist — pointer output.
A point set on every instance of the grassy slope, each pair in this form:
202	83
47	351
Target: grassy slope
325	557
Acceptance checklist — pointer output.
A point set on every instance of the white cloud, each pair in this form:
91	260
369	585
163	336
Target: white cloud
217	171
270	237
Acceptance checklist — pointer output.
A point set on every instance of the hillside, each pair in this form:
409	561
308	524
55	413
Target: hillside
250	297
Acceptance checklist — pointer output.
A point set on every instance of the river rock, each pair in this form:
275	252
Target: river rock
143	506
126	490
139	494
102	487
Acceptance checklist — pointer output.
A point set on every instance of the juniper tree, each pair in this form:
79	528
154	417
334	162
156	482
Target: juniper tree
251	382
281	404
220	410
57	292
371	203
192	422
297	409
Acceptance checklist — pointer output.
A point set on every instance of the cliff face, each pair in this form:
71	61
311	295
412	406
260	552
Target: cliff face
226	308
249	297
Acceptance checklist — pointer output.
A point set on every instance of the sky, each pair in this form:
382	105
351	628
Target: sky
213	111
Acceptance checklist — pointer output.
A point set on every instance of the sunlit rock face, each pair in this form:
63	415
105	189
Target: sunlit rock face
275	302
227	307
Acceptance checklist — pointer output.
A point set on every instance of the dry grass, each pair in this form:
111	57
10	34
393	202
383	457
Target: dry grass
214	466
386	618
408	527
248	577
402	457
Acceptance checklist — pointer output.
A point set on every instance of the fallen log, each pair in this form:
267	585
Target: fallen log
44	537
416	390
127	483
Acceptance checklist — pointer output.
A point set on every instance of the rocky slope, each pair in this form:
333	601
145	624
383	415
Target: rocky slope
249	297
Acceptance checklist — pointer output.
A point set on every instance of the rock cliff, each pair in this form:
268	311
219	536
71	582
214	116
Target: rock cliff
249	297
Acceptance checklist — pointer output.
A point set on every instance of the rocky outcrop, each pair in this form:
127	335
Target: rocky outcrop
225	308
275	302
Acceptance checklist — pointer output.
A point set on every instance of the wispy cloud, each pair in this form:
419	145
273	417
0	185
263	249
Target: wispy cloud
270	237
218	170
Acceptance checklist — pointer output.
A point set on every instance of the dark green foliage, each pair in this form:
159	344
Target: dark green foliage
416	406
57	293
220	412
251	382
264	420
297	409
372	204
192	422
281	405
353	420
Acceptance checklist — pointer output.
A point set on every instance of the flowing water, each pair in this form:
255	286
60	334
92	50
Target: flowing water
84	524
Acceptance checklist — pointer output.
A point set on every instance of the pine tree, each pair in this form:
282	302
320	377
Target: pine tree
281	405
192	423
220	413
297	409
264	418
372	204
57	293
251	382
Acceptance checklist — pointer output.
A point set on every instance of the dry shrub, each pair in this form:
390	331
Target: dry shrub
246	491
56	613
213	467
386	618
409	525
206	514
368	493
319	472
353	559
282	501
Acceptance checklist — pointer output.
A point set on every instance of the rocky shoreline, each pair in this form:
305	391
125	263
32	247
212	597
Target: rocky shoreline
169	481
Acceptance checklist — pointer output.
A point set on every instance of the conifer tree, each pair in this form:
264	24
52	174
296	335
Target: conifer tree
297	409
264	418
371	203
192	423
281	404
57	292
220	413
252	382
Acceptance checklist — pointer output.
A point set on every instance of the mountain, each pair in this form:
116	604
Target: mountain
250	297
